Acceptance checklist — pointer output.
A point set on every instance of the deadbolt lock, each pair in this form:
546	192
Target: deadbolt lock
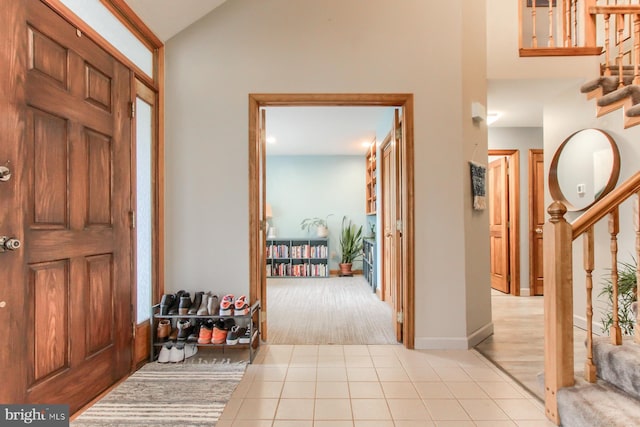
5	173
9	243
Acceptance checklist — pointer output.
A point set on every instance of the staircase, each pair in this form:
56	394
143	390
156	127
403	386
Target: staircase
609	392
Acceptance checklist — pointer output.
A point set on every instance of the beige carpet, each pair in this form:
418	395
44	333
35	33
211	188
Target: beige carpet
335	310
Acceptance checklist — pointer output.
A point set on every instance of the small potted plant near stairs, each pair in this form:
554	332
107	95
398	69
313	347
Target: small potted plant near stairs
350	246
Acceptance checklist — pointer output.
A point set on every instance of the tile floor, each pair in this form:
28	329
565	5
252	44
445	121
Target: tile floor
377	386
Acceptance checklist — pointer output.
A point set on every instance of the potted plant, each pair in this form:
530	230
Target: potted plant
350	246
627	285
319	223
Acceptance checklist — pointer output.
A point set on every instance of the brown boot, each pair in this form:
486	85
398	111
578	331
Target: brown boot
164	329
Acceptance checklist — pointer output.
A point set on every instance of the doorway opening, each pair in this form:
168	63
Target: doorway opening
404	315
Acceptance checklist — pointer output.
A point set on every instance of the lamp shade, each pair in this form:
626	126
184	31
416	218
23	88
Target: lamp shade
267	211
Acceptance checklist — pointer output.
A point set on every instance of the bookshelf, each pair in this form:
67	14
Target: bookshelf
299	258
369	262
371	181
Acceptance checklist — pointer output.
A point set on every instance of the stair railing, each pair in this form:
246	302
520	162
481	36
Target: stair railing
559	236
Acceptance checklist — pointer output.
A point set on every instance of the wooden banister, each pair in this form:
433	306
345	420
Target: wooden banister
605	205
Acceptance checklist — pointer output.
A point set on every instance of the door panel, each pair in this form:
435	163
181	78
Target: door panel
262	236
397	230
73	172
536	221
499	224
388	250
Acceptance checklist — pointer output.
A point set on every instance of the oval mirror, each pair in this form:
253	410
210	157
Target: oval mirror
585	167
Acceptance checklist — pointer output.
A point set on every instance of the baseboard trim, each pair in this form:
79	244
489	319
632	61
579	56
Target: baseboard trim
451	343
525	292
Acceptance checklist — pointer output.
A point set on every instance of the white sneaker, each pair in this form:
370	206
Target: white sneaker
177	353
163	357
190	350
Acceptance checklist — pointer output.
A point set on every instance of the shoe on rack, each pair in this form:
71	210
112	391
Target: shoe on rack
190	350
226	305
177	353
244	336
163	357
195	330
241	307
232	336
197	300
164	330
219	334
213	305
206	330
173	310
165	303
173	335
185	304
202	308
184	329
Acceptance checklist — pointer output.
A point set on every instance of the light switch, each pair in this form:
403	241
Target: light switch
581	189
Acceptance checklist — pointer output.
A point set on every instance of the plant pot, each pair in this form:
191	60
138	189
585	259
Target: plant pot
345	269
322	231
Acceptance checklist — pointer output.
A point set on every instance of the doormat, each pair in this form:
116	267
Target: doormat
184	394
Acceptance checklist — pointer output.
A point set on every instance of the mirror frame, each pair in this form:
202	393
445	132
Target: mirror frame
554	186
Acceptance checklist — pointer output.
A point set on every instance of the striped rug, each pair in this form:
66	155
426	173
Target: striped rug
188	394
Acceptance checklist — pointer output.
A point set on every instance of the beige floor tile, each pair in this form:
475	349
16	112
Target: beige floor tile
521	409
271	373
414	423
422	373
332	390
292	423
295	409
358	361
467	390
330	349
360	350
365	390
336	373
362	374
484	374
440	359
452	374
329	362
257	409
538	423
299	390
384	350
370	409
433	390
483	409
399	390
231	409
333	423
392	374
386	362
500	390
457	423
301	374
445	410
250	423
333	409
228	423
374	423
408	409
300	349
494	423
304	361
241	390
265	389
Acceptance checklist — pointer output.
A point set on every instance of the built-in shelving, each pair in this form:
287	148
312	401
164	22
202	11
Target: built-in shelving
371	181
369	262
297	257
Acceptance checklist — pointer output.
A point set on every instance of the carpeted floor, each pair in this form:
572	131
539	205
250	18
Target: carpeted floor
184	394
335	310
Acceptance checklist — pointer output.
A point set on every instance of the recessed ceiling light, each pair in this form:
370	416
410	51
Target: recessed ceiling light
492	117
271	139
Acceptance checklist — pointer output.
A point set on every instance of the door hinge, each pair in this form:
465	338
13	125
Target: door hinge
400	317
132	218
399	225
132	110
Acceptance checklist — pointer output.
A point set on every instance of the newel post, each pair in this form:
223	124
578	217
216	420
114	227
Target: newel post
590	25
558	308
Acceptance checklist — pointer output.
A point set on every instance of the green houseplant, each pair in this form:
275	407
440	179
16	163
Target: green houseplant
350	245
319	223
627	285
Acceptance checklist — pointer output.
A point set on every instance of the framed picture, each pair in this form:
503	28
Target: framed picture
541	3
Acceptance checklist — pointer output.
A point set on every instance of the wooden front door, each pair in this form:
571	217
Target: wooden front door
69	330
499	224
387	173
536	221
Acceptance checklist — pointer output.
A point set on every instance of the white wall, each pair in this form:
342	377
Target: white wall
569	113
522	139
300	187
372	46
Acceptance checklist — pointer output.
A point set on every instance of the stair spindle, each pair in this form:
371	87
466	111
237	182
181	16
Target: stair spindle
534	37
636	220
614	229
607	40
620	25
575	22
551	40
566	23
588	259
636	48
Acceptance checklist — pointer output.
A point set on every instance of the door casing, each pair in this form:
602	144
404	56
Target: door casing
256	210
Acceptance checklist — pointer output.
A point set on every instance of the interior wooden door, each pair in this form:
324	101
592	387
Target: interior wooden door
397	225
72	336
262	236
536	221
387	194
499	223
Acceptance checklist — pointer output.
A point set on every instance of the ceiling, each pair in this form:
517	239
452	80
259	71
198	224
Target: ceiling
332	130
